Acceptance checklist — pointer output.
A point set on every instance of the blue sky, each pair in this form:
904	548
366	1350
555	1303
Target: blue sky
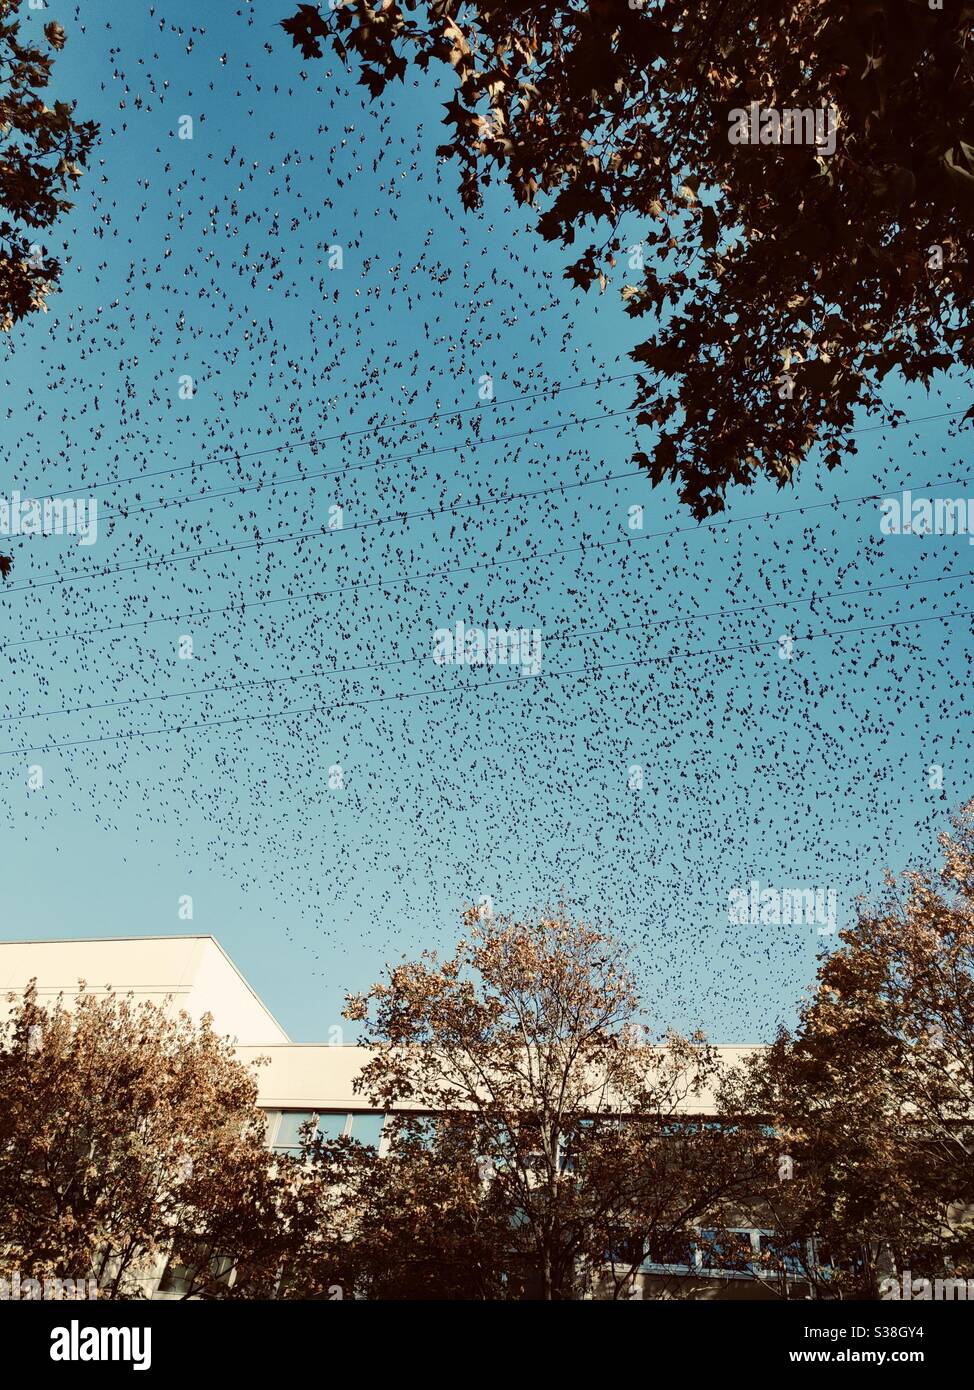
209	258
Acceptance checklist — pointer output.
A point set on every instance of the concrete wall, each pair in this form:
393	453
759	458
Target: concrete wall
191	972
309	1076
300	1076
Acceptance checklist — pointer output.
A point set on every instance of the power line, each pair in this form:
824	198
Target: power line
578	636
272	483
318	441
322	532
558	389
500	683
400	518
468	569
695	529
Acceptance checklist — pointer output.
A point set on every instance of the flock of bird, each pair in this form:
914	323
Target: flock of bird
325	413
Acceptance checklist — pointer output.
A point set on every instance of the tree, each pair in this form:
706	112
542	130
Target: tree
783	282
416	1223
872	1097
43	150
127	1134
541	1145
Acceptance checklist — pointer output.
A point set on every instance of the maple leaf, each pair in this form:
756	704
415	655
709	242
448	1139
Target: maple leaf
307	27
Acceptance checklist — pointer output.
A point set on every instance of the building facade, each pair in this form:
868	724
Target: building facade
296	1081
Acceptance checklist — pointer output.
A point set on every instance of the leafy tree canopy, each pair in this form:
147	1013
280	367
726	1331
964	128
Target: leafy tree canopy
129	1135
43	150
873	1095
781	283
559	1144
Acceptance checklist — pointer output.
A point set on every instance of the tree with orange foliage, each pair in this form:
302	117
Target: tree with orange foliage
872	1097
129	1135
550	1137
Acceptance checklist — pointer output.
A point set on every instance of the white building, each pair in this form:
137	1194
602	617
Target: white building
194	974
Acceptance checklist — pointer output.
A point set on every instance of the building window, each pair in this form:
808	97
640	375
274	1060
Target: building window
672	1253
776	1256
284	1127
727	1252
735	1254
179	1278
625	1250
367	1129
288	1135
331	1124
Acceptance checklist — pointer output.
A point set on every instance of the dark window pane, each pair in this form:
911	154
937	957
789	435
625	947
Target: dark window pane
176	1278
626	1250
788	1257
727	1250
180	1279
671	1250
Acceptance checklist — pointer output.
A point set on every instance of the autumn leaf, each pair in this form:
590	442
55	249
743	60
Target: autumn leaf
307	28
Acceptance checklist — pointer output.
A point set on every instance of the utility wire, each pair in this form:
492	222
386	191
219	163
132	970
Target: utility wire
487	565
576	637
500	683
270	484
320	533
400	518
557	389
